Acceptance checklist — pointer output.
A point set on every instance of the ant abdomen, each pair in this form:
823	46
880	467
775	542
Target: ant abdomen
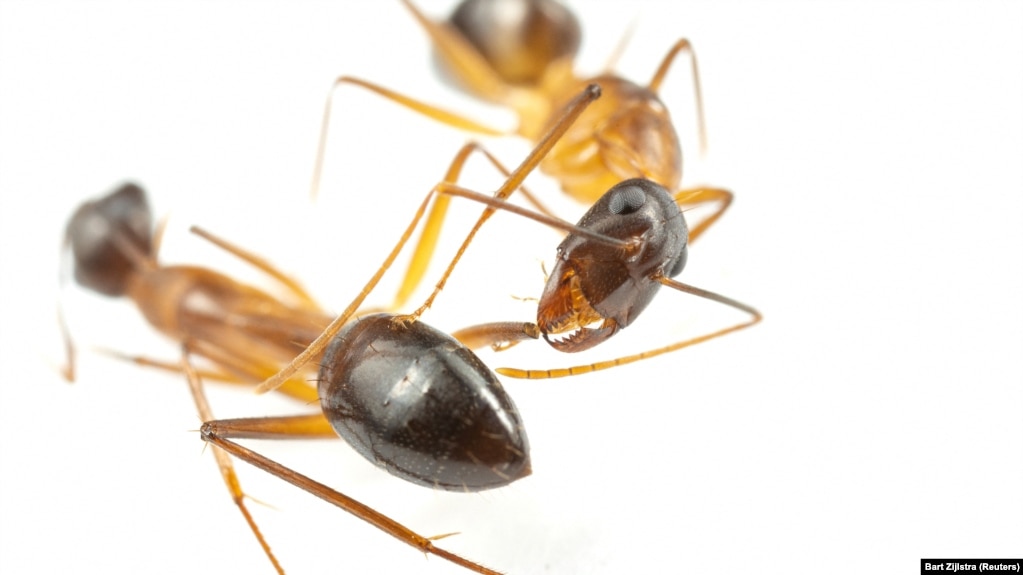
418	403
108	237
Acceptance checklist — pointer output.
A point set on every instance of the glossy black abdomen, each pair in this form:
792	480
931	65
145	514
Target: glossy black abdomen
415	401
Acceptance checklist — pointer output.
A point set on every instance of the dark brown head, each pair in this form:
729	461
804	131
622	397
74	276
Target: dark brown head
108	236
597	288
520	39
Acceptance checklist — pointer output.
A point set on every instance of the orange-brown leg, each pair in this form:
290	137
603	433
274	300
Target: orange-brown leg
698	196
424	250
498	335
511	184
428	110
67	371
261	264
231	370
581	369
320	343
619	49
218	433
224	462
683	45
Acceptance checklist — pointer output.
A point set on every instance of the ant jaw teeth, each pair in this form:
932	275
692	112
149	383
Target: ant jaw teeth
582	337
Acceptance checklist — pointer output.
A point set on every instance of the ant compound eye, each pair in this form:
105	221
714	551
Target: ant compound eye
626	200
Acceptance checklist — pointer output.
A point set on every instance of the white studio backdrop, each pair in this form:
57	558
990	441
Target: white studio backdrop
871	420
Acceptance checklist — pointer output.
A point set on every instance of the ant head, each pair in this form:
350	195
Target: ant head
596	282
520	39
107	236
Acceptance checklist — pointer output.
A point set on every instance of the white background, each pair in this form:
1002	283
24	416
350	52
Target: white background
874	418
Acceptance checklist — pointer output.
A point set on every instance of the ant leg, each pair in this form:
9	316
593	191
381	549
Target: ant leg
223	461
261	264
455	172
698	196
161	229
67	371
428	110
218	433
320	343
232	370
423	252
619	49
499	336
580	369
310	426
252	368
662	70
174	367
502	336
514	181
578	104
